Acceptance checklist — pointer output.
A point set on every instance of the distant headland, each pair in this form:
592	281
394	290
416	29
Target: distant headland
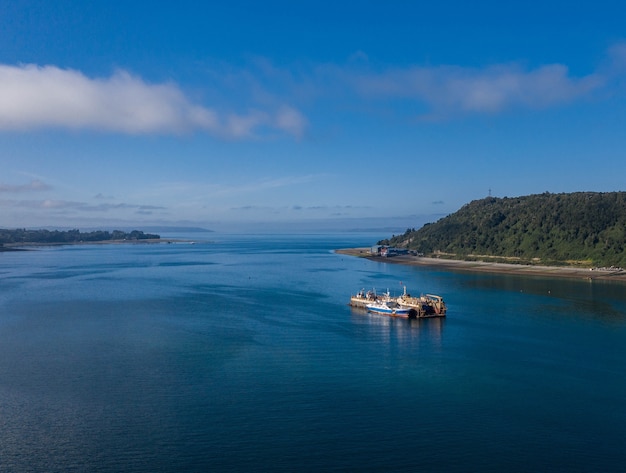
580	229
580	235
16	239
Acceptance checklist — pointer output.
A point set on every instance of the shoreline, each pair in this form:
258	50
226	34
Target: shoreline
492	268
33	245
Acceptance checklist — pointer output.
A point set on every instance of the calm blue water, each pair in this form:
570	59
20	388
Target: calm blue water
239	353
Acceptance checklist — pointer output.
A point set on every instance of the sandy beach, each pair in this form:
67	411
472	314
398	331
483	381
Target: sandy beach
495	268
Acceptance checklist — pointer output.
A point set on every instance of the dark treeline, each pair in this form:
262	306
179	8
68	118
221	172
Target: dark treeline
578	228
70	236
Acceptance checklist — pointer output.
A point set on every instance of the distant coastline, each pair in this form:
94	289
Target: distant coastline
494	268
26	246
21	238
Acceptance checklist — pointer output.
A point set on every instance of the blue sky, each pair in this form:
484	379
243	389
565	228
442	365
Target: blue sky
303	115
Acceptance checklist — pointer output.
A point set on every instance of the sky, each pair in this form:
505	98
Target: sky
303	116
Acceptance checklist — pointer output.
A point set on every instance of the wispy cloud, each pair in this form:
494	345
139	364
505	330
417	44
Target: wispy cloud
206	191
273	183
33	97
40	204
449	90
34	185
314	210
436	91
51	204
290	120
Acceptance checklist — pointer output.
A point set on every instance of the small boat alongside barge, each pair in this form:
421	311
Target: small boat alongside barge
393	311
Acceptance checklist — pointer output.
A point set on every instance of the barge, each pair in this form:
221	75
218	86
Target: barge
424	306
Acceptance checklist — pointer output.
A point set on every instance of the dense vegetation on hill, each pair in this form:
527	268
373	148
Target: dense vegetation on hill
586	228
71	236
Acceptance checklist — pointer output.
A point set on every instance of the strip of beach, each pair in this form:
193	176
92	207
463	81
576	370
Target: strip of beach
611	274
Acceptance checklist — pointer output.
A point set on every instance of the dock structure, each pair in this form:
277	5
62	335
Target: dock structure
362	299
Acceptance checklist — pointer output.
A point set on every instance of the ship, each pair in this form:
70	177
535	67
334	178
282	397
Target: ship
383	308
424	306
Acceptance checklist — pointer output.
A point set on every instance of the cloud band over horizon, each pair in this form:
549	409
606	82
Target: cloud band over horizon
35	97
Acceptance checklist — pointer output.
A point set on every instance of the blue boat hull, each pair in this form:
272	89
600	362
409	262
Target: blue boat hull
384	310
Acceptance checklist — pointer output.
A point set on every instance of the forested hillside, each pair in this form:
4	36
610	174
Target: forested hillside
18	236
586	228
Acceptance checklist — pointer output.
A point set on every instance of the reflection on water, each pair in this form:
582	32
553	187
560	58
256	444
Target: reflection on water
425	331
599	300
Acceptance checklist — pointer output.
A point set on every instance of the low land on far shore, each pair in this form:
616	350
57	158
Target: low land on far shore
19	239
490	267
33	245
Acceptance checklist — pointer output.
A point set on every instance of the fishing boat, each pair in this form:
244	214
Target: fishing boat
384	308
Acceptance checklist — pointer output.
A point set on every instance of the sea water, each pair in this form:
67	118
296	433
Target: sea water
240	353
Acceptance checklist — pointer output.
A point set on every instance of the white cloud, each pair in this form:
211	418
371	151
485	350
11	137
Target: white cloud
33	97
